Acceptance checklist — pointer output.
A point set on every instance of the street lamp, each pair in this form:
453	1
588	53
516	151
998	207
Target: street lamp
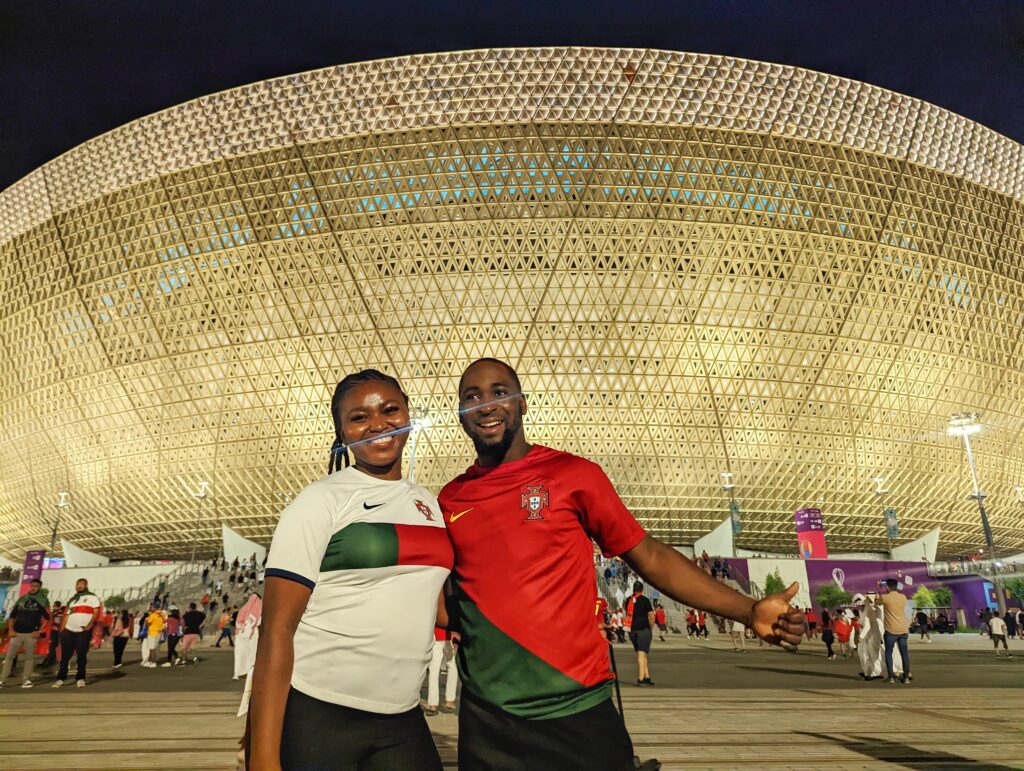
881	492
62	503
965	424
200	496
729	487
420	421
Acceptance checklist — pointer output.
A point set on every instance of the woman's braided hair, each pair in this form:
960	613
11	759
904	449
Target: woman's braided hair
339	452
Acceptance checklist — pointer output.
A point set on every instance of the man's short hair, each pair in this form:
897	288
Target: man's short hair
638	586
36	581
892	583
191	606
487	359
86	580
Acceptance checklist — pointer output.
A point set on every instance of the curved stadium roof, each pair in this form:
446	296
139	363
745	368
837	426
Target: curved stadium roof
697	263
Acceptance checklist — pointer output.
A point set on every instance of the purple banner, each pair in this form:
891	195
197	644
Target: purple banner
810	534
33	568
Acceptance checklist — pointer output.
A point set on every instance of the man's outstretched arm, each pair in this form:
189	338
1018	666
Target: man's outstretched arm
771	618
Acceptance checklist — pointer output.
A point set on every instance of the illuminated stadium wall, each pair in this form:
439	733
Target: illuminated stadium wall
698	264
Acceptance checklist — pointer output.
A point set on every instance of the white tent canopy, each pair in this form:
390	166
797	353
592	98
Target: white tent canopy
77	557
236	545
717	543
918	549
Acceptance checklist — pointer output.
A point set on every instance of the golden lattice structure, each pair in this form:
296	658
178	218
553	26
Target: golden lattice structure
698	264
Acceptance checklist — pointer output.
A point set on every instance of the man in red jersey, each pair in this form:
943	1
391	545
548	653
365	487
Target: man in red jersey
537	686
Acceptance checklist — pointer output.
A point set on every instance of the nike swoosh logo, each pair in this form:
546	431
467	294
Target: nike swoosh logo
367	506
456	516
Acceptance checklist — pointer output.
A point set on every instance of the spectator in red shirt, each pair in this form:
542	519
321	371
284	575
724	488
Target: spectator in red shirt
812	623
659	619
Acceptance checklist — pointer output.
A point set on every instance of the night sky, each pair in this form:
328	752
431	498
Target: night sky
73	69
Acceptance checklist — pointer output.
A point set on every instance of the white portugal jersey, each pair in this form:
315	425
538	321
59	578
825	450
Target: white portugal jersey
375	553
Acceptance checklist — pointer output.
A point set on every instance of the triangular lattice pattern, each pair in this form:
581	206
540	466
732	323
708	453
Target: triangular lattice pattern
698	264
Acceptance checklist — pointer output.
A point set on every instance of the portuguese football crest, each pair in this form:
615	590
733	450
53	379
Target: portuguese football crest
424	509
534	499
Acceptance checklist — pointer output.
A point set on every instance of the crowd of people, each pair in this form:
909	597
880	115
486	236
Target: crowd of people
167	635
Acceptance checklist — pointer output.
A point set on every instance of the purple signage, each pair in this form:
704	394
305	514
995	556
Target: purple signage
810	534
33	568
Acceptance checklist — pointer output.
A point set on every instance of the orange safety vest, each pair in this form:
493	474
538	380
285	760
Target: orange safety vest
629	609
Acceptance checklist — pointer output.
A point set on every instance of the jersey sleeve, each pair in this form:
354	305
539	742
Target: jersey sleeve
301	538
603	514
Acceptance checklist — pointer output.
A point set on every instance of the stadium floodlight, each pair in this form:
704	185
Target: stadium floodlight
964	425
727	483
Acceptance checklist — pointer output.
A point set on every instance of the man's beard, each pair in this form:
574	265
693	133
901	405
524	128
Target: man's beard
499	447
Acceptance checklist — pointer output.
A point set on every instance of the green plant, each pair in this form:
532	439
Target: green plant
1015	586
943	597
962	628
773	583
924	598
115	601
831	596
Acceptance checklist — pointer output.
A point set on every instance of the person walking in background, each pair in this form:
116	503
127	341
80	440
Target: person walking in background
897	629
843	627
23	629
121	632
226	628
56	619
702	624
76	630
173	636
997	634
737	631
640	620
659	619
691	624
812	623
156	621
827	635
922	625
192	623
1010	619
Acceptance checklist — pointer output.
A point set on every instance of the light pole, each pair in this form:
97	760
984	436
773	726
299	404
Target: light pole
729	487
963	425
62	503
418	423
880	492
200	496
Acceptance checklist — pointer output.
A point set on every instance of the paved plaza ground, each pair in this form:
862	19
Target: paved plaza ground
711	709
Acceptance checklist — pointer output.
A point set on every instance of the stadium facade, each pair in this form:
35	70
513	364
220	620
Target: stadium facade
698	264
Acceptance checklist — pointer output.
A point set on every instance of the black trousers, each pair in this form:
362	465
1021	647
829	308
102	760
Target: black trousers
317	735
172	645
119	646
51	653
593	740
77	643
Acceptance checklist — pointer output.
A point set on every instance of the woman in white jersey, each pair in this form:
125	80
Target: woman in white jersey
352	585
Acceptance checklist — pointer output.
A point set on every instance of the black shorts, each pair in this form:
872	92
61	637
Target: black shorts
490	738
641	640
812	624
662	627
320	735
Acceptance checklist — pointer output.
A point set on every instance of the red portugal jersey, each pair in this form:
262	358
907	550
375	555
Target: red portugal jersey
524	580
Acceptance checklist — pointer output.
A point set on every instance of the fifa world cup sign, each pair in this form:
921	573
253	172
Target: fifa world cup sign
810	534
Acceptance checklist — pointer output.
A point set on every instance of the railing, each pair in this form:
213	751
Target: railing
995	569
149	589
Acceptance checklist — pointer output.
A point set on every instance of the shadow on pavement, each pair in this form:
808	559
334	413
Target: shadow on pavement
808	673
887	751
